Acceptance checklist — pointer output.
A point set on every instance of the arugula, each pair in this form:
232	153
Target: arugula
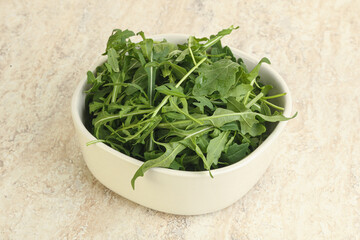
219	76
190	106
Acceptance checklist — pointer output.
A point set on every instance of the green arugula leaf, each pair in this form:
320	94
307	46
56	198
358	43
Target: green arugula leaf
170	89
214	39
265	110
235	153
117	40
219	76
182	55
147	48
203	102
94	106
162	50
112	59
239	90
223	116
191	144
215	147
91	78
255	72
179	71
140	79
184	109
172	150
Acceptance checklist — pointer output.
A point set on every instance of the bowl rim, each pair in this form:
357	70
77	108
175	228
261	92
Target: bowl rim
193	174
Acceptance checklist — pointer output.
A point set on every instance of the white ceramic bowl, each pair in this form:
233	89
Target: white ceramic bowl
174	191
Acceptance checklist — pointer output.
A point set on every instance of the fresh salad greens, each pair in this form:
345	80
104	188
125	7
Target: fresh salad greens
191	106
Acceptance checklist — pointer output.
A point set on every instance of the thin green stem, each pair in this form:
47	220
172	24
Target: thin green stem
211	42
188	74
192	55
209	118
113	117
273	105
216	55
269	103
246	98
183	112
133	125
137	113
164	125
274	96
254	100
257	106
95	141
215	40
151	82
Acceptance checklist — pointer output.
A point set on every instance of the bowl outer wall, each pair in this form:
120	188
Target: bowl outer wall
173	191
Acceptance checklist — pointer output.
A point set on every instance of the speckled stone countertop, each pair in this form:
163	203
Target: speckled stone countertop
310	191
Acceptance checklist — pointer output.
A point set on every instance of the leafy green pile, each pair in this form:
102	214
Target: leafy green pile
191	106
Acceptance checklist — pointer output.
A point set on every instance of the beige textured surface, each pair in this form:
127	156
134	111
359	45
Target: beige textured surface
312	188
